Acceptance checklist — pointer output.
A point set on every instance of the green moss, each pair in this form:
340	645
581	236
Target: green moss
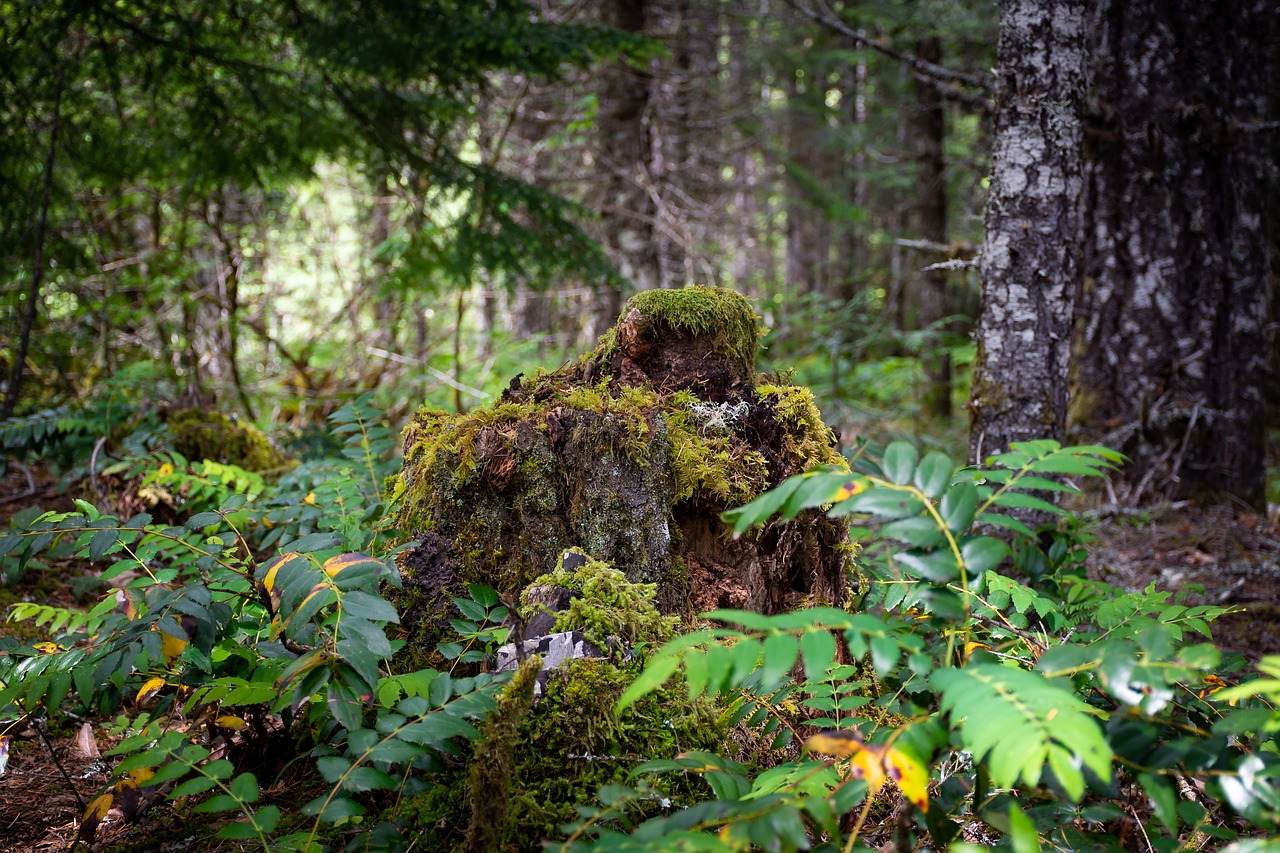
807	440
492	771
607	604
709	462
700	310
573	744
200	435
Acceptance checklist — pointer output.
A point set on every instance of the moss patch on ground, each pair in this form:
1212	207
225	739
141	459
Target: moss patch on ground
200	435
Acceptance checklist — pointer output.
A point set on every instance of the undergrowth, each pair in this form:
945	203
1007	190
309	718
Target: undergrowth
979	690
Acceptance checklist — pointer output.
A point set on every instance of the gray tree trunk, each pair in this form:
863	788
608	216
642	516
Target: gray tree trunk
1031	256
1172	338
929	126
626	203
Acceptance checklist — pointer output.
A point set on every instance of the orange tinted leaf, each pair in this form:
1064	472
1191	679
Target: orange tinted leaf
849	489
868	763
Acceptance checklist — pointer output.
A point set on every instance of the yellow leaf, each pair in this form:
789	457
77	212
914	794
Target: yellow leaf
841	743
911	777
149	690
97	809
231	722
171	647
333	565
141	775
849	489
875	763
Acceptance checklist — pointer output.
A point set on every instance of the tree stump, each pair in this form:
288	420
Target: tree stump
629	453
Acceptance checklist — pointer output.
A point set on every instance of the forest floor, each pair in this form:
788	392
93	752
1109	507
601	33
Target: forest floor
1234	556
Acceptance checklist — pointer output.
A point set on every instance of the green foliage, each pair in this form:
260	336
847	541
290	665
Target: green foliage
1040	702
206	625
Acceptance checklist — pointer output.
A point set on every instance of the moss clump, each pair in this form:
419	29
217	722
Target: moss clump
573	743
606	605
200	435
629	453
724	314
806	439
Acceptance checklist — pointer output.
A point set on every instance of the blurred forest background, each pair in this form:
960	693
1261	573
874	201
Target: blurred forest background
269	207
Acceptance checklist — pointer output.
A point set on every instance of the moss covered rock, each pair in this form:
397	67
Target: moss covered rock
200	435
630	453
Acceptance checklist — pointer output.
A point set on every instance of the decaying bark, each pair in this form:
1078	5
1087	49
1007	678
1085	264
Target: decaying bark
1031	257
1172	336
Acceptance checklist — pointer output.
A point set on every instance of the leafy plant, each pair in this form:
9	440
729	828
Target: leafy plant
1048	708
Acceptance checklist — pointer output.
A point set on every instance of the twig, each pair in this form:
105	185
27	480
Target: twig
936	75
1142	829
44	738
93	466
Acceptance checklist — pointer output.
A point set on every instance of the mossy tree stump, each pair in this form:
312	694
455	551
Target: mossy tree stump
630	453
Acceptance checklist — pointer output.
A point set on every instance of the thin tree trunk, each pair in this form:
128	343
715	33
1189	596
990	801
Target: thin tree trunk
626	204
931	192
37	266
1031	259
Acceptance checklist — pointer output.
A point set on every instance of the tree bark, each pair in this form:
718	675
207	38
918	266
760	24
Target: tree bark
931	192
13	393
627	204
1172	336
1031	256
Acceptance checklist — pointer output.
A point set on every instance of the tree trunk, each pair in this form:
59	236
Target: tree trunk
931	192
626	204
14	391
1172	338
1031	256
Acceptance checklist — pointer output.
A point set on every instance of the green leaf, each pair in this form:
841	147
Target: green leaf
102	542
245	787
899	462
762	508
881	501
1018	500
201	520
818	650
958	506
1164	801
1010	718
653	676
345	706
780	652
884	654
939	565
920	532
982	554
934	474
1022	831
1007	523
333	810
218	803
